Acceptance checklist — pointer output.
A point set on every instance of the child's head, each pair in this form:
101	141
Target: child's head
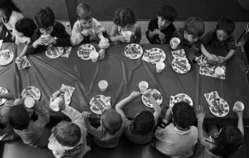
193	29
166	15
124	18
18	117
67	134
84	12
183	115
143	123
6	8
224	28
111	121
45	21
228	141
25	27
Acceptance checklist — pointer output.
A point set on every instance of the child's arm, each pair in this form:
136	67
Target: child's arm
71	112
43	114
207	54
76	37
7	96
119	106
157	109
228	56
114	36
240	121
137	34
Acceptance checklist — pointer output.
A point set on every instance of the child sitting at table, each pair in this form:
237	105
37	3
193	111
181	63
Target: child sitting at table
223	143
179	137
48	32
221	41
88	29
162	29
111	127
140	129
190	36
125	29
68	139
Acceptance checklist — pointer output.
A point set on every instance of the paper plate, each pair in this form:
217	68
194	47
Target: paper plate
99	103
6	57
154	55
155	94
180	97
85	50
3	91
31	91
133	51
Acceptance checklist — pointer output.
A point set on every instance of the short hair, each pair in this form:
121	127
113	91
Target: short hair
83	11
8	6
26	26
168	12
67	133
45	18
143	123
225	24
194	26
111	120
228	141
123	17
18	117
183	115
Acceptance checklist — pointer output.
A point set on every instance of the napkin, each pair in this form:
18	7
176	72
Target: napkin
22	63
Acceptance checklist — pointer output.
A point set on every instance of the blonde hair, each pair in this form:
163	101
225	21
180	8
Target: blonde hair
83	11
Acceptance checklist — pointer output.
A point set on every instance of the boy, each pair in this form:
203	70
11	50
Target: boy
162	29
139	130
68	139
48	32
220	41
178	138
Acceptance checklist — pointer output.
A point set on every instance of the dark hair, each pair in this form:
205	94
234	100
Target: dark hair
45	18
25	26
226	24
19	117
67	133
183	115
168	13
228	141
8	6
143	123
125	16
194	26
111	120
83	11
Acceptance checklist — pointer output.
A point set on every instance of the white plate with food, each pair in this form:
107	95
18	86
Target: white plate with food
180	97
133	51
180	53
152	93
99	104
3	91
181	65
54	52
154	55
6	57
84	51
31	91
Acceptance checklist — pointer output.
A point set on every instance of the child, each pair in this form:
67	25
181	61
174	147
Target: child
48	32
107	135
9	14
190	36
162	29
178	138
139	130
223	143
221	40
68	139
125	29
87	29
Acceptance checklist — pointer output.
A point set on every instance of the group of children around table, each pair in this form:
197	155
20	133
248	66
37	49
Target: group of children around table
174	133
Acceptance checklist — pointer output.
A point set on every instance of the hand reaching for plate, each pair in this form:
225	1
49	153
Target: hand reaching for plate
135	94
200	113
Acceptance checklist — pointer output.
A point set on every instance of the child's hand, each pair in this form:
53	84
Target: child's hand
200	113
212	59
221	59
40	41
18	101
86	32
135	94
101	54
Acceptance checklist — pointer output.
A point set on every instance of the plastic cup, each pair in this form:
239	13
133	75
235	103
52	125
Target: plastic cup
143	86
54	105
174	42
29	102
219	71
103	85
160	66
94	56
238	106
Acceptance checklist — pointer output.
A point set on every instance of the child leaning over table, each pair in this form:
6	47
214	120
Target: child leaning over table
48	32
28	123
140	129
221	41
179	137
111	127
68	139
162	29
88	29
125	29
222	143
